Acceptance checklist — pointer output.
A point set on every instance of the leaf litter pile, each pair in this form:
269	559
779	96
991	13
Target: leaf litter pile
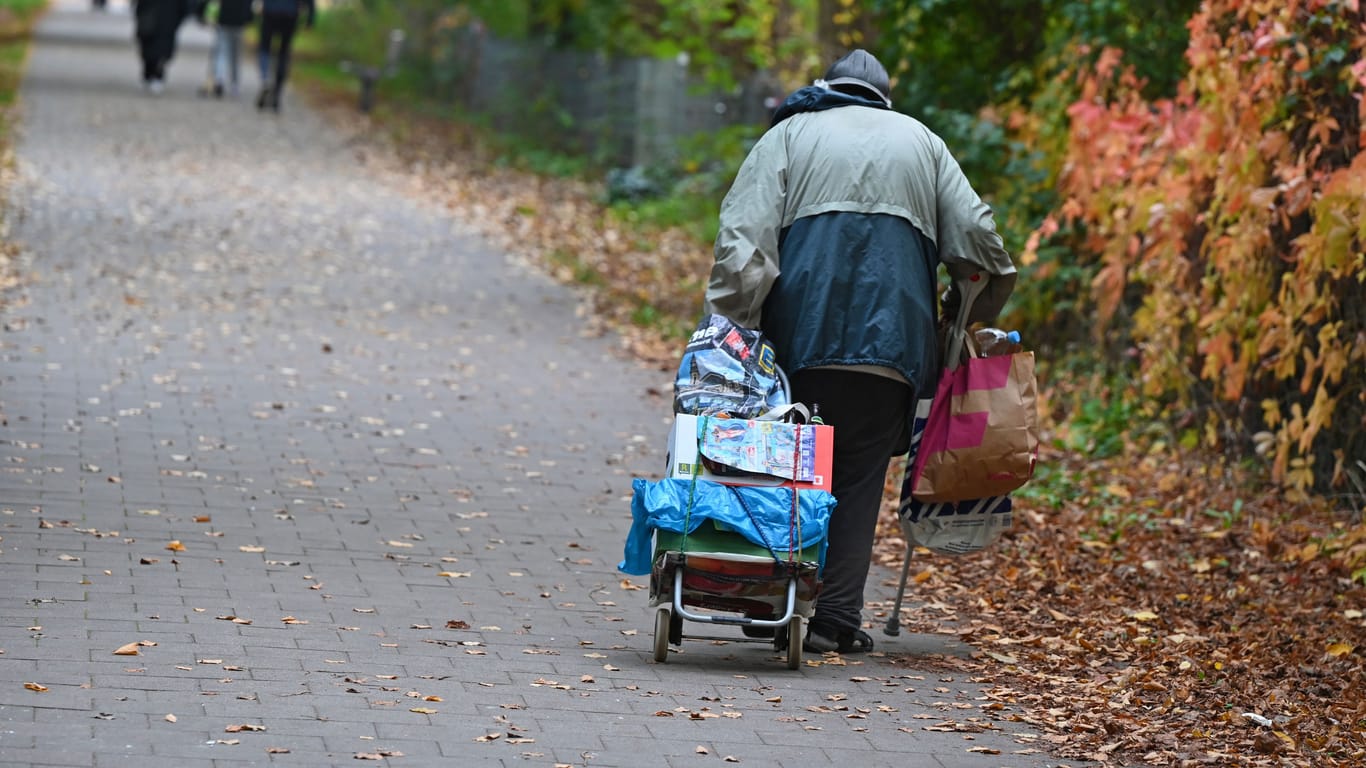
1159	610
1139	624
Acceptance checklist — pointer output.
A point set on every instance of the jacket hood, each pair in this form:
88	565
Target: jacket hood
818	97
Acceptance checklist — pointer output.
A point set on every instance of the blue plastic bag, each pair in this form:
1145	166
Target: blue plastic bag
762	514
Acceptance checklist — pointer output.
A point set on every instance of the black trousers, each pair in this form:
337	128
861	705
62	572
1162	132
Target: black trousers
156	47
152	52
871	416
276	39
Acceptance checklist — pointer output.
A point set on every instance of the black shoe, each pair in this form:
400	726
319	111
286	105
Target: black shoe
218	90
822	638
263	99
275	100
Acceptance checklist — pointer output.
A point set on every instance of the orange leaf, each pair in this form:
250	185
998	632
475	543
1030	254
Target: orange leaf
1340	649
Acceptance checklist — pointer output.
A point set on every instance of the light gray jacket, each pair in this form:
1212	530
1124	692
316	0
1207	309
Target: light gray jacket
856	160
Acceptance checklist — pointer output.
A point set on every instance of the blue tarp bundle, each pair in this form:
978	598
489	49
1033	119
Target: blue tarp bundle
763	515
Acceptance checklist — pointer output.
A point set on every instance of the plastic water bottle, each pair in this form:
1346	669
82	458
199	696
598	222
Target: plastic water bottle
994	341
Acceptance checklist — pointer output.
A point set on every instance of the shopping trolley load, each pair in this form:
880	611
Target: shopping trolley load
750	556
735	533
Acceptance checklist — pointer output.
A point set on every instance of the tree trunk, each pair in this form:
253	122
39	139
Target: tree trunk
842	26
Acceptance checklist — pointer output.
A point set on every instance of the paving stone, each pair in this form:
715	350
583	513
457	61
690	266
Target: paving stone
42	757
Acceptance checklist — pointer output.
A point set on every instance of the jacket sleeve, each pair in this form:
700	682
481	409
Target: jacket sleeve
969	242
746	250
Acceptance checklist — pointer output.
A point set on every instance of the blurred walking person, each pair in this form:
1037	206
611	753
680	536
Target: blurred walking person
279	20
156	24
229	19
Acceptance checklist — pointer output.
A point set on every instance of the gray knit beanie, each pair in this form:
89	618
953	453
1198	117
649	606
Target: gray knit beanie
860	70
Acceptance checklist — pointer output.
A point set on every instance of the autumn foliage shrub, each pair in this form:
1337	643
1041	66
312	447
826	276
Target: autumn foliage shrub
1222	233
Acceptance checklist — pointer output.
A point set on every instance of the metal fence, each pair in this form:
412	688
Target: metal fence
620	112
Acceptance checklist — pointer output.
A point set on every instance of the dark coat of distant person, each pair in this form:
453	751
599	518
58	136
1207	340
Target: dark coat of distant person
156	23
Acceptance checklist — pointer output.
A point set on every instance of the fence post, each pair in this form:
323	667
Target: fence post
369	76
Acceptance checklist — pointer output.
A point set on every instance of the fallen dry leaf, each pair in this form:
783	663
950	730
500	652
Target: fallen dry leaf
176	546
35	687
234	619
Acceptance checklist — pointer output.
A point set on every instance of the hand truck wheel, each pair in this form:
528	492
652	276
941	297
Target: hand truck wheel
663	624
795	638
